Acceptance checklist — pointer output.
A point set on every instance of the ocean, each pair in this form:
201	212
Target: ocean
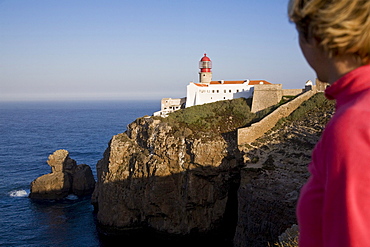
29	133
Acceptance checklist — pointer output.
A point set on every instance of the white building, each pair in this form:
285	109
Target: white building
202	93
169	105
208	91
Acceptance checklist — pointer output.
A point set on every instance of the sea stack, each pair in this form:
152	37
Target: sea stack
66	178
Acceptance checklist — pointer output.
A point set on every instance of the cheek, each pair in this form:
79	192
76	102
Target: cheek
314	59
307	52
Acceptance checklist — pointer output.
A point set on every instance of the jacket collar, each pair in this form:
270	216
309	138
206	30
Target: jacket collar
349	85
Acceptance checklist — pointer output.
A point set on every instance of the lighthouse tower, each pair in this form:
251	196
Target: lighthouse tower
205	66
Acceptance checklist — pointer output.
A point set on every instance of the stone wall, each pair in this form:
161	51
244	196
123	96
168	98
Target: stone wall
321	86
249	134
265	96
292	92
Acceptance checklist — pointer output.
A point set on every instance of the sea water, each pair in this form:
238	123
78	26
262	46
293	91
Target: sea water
29	133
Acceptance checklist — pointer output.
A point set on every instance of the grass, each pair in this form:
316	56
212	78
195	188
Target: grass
317	103
228	115
218	117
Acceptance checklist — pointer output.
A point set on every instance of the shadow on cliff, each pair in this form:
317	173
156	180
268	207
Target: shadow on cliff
261	195
220	233
270	184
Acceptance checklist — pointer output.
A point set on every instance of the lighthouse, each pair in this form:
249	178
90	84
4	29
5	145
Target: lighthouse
207	91
205	73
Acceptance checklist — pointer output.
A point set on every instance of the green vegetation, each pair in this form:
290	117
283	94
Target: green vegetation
228	115
317	103
218	117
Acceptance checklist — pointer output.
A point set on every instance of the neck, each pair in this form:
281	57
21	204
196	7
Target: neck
339	66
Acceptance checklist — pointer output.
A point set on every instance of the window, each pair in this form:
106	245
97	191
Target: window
237	90
218	91
224	91
213	91
230	91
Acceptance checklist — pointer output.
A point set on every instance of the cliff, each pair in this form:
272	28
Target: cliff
186	175
274	170
173	175
153	177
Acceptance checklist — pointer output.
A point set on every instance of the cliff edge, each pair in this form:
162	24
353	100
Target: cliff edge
186	175
274	170
170	175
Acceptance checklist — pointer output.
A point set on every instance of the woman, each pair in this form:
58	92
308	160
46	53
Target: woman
334	204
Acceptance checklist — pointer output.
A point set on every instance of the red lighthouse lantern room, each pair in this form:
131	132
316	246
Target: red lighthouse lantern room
205	64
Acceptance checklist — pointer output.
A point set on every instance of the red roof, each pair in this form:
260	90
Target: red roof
254	82
201	85
205	58
227	82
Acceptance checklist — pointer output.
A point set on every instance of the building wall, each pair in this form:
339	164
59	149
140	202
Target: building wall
321	86
266	95
172	104
256	130
292	92
198	95
205	77
169	105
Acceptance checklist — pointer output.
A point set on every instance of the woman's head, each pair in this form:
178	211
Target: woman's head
338	27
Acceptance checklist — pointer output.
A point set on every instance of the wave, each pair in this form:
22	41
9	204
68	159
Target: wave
18	193
72	197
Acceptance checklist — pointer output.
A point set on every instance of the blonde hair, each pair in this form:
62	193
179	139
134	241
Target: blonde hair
341	27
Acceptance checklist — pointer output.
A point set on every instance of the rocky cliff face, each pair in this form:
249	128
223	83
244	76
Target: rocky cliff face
166	179
275	168
179	181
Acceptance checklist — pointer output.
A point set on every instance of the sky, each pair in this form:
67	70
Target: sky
148	49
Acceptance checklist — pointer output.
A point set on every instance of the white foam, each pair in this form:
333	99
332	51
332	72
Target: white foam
18	193
72	197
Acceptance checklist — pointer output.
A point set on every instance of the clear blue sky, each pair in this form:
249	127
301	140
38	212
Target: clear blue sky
149	49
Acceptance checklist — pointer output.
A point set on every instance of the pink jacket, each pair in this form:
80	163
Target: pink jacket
334	205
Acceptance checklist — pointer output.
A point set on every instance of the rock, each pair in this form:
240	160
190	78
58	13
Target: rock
178	181
290	236
65	178
50	186
61	162
83	182
292	196
171	183
267	196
